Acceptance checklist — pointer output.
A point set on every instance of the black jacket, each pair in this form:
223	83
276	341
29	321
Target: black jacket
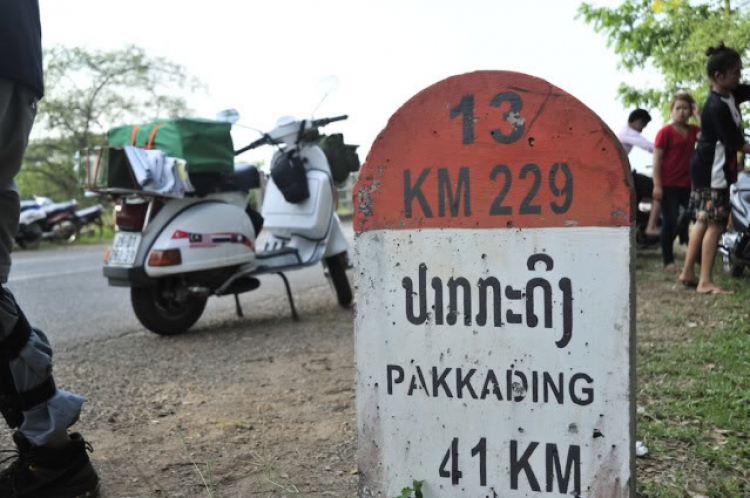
714	161
21	43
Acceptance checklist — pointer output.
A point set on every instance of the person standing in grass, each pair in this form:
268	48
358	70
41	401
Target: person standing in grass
713	167
673	149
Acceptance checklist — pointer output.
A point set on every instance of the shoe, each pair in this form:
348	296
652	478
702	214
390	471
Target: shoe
39	472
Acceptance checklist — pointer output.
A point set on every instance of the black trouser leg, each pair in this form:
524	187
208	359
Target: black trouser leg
672	200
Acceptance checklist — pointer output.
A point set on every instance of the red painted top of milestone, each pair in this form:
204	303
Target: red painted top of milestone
493	149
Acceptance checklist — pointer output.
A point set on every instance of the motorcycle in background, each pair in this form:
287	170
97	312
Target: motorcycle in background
42	219
30	225
89	220
644	187
60	222
734	245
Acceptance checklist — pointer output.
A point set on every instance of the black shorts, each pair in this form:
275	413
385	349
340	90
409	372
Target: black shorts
710	205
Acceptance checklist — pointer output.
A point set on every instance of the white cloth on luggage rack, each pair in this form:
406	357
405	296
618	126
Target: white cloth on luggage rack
156	172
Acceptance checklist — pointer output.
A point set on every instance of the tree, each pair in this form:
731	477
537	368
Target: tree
86	92
672	37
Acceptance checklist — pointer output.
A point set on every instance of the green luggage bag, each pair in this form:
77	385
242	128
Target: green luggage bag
206	145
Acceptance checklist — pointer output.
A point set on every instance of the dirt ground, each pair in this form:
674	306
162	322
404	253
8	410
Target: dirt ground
267	403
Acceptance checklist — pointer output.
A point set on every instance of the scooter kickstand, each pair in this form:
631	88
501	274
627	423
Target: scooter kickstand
295	317
238	306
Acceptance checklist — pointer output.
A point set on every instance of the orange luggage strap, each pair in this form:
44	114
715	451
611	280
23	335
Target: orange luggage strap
133	135
150	144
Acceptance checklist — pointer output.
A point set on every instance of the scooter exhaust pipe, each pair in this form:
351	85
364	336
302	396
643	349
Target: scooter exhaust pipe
241	285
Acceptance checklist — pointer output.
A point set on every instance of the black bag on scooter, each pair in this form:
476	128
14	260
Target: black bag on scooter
289	175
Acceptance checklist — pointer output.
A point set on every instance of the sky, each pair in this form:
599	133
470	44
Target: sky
266	58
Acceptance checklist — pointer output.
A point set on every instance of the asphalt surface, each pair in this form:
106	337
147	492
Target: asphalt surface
62	292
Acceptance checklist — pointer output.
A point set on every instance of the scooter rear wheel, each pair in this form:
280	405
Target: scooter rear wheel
337	271
164	315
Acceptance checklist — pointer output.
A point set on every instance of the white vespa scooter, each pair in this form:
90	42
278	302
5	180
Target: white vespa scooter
174	253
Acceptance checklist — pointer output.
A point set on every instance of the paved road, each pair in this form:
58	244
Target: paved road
63	292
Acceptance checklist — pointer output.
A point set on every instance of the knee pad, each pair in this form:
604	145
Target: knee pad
13	403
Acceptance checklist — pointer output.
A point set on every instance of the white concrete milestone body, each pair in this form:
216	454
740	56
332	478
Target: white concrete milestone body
424	384
494	297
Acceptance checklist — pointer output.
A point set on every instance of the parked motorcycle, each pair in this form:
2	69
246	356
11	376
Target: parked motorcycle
89	220
644	187
176	252
63	223
59	223
734	245
30	225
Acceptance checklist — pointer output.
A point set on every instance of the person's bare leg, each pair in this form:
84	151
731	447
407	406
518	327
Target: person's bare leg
695	243
651	226
708	255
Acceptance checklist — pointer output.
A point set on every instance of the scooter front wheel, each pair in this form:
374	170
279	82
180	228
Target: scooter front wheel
160	312
730	267
337	271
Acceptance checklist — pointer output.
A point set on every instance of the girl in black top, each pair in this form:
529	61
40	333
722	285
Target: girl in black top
713	167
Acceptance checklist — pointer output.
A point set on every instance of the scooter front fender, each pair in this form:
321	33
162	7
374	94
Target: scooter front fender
337	242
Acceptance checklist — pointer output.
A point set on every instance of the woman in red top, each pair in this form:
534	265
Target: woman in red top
673	148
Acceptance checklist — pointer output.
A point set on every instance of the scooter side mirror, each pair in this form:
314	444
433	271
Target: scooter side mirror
228	116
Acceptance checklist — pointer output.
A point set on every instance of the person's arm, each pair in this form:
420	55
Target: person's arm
742	93
727	131
634	138
658	192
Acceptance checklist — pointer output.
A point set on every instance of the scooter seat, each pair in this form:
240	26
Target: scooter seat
244	179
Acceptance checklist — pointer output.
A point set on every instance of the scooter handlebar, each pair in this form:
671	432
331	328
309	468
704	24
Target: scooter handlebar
266	139
261	141
325	121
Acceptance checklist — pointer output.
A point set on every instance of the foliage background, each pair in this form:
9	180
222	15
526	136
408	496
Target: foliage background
87	92
671	37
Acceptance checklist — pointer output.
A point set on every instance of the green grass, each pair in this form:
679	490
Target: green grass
694	383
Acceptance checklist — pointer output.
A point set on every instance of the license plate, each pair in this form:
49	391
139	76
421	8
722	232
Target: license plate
124	248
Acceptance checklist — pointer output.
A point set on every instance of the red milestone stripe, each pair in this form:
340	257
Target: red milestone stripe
493	149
